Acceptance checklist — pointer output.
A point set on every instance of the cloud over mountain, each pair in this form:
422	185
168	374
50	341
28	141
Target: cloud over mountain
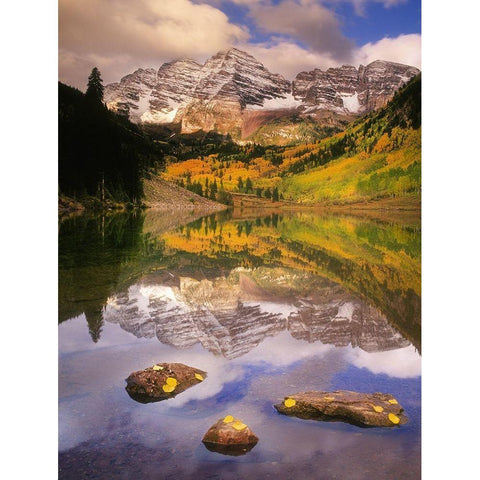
287	36
117	36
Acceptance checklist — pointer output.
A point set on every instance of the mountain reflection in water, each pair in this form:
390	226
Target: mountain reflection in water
231	315
229	283
267	304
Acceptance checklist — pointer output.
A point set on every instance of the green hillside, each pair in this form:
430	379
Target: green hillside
377	156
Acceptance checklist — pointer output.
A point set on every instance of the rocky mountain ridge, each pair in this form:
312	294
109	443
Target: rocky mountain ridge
231	86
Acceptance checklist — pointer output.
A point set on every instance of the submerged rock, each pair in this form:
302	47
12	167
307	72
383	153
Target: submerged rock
361	409
162	381
230	436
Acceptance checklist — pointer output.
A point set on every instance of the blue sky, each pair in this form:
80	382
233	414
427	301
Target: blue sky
376	22
380	22
287	36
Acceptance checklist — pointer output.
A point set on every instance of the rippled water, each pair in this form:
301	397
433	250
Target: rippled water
267	304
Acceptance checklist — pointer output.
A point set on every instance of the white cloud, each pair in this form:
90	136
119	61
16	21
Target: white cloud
289	59
360	5
120	36
142	33
316	26
402	363
402	49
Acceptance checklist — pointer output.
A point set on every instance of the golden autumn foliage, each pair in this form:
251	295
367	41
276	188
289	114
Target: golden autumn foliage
376	156
380	260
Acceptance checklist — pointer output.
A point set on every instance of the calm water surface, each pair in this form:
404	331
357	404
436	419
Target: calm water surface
267	304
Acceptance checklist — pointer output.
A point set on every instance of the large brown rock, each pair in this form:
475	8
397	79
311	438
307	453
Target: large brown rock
361	409
162	381
230	436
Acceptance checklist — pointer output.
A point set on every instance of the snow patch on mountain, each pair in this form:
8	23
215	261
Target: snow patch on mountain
165	115
143	104
289	101
351	103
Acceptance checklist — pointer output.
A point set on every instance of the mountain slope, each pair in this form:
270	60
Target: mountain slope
163	195
378	156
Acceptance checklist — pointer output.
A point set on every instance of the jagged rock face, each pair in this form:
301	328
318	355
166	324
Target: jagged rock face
229	82
154	97
173	90
347	89
383	79
219	116
230	318
236	75
221	94
132	95
208	97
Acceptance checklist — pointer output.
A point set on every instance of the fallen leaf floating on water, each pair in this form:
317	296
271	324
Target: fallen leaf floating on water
393	418
289	402
199	377
238	425
228	419
393	401
168	388
157	368
171	381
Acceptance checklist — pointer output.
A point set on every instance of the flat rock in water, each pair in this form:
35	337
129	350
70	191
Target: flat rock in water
162	381
361	409
230	436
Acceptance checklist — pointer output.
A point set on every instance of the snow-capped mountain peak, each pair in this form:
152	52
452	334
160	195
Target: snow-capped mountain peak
218	94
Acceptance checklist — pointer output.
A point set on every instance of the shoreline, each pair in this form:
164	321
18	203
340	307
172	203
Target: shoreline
169	199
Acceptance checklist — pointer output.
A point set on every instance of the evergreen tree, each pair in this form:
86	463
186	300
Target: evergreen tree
95	86
214	187
100	154
248	185
275	194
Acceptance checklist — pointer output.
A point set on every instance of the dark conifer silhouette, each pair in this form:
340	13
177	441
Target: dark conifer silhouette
101	154
95	86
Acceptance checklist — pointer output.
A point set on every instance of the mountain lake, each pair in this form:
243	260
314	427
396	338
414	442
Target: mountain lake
268	304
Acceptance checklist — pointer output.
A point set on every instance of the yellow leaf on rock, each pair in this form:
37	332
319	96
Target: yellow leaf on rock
289	402
238	425
329	398
157	367
378	408
168	388
393	401
393	418
198	377
171	381
228	419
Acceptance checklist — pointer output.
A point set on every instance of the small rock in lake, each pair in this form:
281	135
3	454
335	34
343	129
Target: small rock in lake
361	409
230	436
162	381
